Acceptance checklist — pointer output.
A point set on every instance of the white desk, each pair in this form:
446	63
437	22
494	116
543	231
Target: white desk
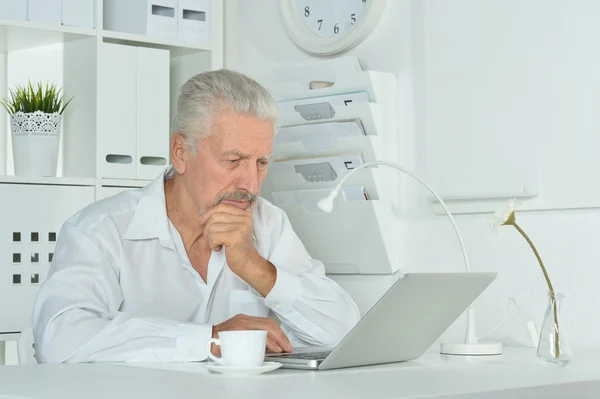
516	374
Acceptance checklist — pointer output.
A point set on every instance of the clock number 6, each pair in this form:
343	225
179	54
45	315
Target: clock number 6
336	29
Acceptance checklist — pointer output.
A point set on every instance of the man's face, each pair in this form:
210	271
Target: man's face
231	163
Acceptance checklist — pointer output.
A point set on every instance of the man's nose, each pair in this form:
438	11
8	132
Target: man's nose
249	178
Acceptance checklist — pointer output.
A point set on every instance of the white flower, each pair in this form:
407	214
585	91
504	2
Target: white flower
501	216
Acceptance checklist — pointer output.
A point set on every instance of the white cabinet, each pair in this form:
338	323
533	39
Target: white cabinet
32	216
133	125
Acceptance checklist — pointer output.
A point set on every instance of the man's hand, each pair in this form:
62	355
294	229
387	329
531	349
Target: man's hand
229	226
277	341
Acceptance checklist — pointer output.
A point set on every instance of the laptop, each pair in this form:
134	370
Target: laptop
402	325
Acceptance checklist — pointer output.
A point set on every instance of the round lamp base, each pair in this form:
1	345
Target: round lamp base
478	349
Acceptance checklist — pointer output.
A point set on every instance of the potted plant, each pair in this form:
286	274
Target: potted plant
35	117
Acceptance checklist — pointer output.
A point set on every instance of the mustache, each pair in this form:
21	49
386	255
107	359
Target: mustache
235	196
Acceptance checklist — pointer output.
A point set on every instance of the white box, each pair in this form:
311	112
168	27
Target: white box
79	13
117	97
152	108
13	9
157	18
46	11
194	21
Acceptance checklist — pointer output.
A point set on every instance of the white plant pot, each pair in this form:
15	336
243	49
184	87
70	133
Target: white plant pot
35	140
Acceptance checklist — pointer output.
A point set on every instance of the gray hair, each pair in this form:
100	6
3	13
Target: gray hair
207	94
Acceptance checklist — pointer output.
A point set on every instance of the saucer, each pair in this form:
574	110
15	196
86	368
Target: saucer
264	368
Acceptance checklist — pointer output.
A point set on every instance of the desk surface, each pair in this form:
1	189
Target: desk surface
516	374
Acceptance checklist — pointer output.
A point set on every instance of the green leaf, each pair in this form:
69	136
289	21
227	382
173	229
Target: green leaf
44	97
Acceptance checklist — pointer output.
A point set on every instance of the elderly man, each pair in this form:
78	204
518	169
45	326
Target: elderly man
152	274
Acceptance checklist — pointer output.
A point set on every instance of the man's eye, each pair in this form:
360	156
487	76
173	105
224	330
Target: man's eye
263	163
233	161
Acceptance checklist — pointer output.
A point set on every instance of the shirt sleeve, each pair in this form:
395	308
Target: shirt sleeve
311	306
76	315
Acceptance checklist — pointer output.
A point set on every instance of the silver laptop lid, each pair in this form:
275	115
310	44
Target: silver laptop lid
408	318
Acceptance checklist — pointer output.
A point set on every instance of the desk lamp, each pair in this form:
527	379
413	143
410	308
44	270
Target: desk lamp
471	346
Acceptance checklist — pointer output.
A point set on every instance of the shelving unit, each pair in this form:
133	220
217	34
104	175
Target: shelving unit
175	47
73	58
70	57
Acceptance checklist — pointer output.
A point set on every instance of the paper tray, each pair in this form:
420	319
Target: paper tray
357	237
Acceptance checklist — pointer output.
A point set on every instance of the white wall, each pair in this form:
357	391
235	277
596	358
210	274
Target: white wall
485	74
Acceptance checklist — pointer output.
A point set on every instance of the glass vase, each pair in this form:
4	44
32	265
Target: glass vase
553	346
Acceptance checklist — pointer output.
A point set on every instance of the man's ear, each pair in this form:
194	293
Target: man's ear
180	153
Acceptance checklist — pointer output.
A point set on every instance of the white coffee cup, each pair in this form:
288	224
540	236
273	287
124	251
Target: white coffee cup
240	348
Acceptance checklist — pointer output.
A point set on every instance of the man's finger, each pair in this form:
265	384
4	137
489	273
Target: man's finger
277	334
272	346
222	208
222	227
215	241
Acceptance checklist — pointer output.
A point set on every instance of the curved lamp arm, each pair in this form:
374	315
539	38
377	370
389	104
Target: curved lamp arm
326	204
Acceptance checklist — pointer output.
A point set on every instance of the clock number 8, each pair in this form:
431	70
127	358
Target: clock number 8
306	11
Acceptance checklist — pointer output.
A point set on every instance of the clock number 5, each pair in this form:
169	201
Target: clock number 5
353	19
307	11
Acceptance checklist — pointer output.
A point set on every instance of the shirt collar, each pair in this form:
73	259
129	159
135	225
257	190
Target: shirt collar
150	219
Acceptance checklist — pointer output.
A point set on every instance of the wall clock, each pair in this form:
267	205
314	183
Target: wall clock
329	26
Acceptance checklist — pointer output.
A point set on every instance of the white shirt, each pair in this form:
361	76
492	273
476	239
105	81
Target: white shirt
121	287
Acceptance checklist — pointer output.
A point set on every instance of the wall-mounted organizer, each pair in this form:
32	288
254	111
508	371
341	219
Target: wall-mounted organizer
347	118
124	88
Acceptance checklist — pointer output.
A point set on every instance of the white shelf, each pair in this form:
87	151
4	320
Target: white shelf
51	181
10	336
18	35
176	47
124	182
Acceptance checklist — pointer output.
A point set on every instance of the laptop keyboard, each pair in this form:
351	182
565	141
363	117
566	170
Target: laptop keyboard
307	355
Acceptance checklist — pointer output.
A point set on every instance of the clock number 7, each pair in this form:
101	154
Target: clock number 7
320	21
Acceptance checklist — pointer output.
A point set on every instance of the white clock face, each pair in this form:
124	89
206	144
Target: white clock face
331	18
